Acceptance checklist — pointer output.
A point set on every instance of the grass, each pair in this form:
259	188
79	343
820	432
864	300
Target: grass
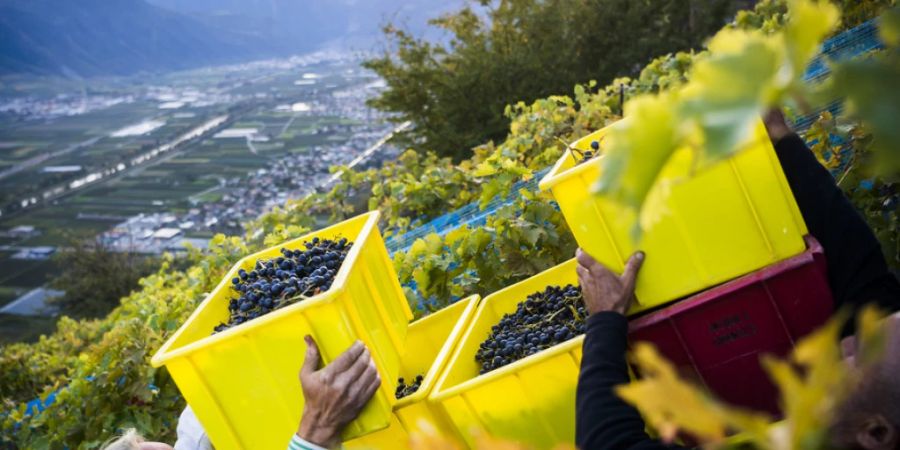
8	294
25	274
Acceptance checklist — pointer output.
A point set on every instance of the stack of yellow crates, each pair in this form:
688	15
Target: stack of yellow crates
728	220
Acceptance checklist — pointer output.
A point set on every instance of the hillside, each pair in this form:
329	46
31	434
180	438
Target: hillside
110	37
303	25
123	37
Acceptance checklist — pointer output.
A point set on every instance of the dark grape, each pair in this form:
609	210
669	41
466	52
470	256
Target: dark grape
275	283
584	156
542	320
404	389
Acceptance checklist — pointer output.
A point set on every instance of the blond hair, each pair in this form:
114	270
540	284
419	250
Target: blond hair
130	440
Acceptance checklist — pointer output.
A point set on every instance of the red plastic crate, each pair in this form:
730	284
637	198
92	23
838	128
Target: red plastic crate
717	337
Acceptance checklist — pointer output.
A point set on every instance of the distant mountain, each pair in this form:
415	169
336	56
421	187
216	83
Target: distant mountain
120	37
302	25
111	37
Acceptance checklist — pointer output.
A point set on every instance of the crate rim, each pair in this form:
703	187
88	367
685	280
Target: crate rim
164	354
431	378
557	175
442	393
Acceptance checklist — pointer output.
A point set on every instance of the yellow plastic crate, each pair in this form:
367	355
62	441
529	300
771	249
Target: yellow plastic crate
730	219
242	383
429	344
531	400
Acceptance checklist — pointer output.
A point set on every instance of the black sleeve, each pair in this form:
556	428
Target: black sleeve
602	419
857	271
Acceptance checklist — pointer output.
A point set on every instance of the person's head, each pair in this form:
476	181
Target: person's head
870	418
131	440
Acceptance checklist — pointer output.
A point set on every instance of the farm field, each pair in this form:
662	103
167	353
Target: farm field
290	110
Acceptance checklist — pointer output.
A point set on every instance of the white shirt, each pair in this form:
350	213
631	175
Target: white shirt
192	436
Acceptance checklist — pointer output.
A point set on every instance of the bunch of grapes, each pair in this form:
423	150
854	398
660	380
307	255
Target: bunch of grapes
543	320
285	280
404	389
587	155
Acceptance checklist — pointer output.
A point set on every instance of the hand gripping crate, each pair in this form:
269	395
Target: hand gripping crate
728	220
429	344
243	382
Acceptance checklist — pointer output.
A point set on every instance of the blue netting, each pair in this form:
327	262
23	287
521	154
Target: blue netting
472	215
849	44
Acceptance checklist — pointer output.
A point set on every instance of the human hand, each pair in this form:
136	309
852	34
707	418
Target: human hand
776	125
336	393
601	288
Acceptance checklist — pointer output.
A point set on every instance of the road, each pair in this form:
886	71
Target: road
159	154
374	148
287	124
251	146
29	163
31	304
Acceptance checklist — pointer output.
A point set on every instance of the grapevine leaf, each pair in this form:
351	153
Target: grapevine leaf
489	190
872	88
637	149
810	393
889	27
418	247
434	244
484	169
748	63
809	22
533	234
422	277
670	404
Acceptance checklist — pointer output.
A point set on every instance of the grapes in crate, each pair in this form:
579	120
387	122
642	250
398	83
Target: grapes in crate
278	282
404	389
542	320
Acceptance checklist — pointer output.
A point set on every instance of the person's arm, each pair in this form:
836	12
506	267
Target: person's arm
298	443
334	395
191	435
602	419
857	271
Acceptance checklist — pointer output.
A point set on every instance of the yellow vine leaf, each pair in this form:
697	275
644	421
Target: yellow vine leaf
808	23
715	112
810	395
872	337
813	383
434	244
889	28
729	89
670	405
637	149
